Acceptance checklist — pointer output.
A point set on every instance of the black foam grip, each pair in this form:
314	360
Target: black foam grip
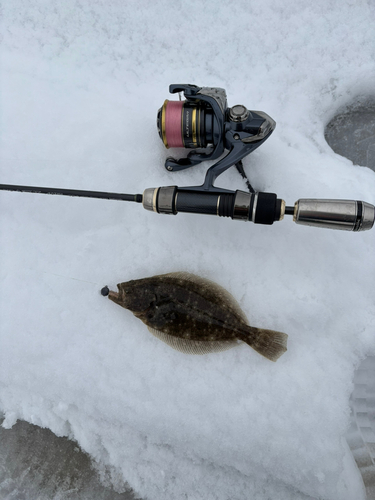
197	202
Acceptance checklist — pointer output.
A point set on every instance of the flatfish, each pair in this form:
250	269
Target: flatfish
194	315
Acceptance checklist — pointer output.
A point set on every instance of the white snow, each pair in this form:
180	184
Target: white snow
81	83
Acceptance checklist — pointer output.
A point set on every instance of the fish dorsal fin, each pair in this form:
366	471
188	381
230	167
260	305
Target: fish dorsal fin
193	346
223	294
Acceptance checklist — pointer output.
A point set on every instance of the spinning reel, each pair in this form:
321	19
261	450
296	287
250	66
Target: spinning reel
205	124
205	121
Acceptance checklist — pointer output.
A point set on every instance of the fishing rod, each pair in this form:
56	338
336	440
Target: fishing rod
260	208
203	121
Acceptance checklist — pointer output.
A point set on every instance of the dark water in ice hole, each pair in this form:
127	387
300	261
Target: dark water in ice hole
351	133
36	464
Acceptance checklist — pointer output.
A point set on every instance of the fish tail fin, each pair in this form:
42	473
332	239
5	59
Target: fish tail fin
269	343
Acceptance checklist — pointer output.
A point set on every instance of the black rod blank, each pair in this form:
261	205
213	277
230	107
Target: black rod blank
73	192
289	210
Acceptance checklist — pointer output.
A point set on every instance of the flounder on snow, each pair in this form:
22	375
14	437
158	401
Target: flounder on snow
194	315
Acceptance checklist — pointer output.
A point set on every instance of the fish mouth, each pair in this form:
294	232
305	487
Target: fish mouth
115	296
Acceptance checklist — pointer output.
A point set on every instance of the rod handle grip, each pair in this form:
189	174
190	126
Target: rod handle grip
260	208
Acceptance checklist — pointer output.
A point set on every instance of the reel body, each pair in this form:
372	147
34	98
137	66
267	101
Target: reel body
204	120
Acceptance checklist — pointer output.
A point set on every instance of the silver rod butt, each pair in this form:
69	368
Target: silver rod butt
347	215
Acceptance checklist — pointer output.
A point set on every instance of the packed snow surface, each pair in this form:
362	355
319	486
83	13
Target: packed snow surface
81	83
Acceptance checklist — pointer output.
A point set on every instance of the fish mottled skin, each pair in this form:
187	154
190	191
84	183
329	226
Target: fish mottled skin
186	310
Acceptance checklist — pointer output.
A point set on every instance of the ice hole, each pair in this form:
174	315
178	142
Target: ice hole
351	133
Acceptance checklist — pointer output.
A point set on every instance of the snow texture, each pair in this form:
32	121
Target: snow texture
81	83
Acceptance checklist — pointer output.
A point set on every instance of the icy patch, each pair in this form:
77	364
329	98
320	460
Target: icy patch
34	463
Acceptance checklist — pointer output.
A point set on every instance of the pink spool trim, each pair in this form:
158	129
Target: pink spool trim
173	125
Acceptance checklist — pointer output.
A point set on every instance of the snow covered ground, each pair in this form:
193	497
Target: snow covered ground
81	83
